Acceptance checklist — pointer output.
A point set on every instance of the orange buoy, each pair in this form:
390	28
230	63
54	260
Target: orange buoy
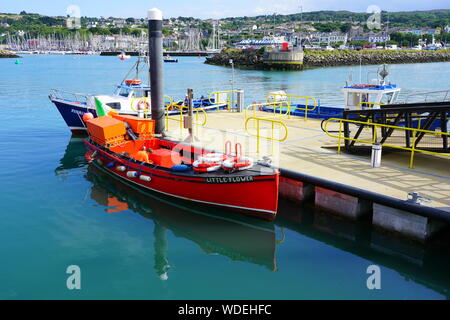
87	116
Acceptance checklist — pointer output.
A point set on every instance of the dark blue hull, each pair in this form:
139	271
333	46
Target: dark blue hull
73	115
330	112
318	113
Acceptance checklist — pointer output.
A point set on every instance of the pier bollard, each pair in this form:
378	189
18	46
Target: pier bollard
375	159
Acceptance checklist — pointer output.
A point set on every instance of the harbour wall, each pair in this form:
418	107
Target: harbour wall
171	53
407	219
253	59
352	57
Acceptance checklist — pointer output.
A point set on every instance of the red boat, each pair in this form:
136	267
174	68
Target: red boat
125	147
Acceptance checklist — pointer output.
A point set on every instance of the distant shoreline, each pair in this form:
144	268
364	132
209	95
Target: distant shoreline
8	54
246	59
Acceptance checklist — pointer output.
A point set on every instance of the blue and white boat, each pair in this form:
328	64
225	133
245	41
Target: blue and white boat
129	97
373	94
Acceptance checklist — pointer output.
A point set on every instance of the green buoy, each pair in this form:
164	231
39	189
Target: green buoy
18	61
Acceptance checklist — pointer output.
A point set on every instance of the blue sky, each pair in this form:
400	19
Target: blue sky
210	8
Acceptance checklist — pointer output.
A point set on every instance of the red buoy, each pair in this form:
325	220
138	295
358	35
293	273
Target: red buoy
87	116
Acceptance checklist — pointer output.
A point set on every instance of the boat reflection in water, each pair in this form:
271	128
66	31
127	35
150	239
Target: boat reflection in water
73	156
213	230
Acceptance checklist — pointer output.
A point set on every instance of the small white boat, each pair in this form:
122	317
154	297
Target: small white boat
123	56
169	59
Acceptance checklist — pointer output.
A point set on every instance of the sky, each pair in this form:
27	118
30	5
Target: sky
209	8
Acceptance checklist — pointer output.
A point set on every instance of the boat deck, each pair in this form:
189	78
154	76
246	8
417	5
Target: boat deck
310	151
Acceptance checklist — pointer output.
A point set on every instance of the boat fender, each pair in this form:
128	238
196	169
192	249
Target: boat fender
132	174
87	116
180	168
110	165
99	161
120	168
145	178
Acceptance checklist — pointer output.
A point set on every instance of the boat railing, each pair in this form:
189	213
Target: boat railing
310	103
70	96
445	94
182	111
415	133
257	132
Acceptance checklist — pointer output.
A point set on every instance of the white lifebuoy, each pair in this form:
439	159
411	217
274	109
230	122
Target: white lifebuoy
243	164
200	166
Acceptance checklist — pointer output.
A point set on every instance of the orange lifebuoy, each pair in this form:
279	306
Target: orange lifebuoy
143	104
133	81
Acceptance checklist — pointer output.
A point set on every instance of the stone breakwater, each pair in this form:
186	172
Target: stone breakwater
245	59
7	54
253	59
351	57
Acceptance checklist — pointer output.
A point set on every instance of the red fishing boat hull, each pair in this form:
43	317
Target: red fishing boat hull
249	192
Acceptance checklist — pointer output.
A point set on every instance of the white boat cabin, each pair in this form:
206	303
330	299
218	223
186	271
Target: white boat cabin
369	96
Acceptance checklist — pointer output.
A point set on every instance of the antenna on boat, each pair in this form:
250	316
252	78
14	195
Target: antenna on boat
383	73
360	69
155	53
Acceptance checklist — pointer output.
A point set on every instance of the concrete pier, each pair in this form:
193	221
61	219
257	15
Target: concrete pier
309	151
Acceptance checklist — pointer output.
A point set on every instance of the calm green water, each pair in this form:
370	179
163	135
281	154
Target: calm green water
56	212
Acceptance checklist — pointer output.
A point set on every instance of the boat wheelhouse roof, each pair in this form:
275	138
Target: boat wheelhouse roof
133	86
373	87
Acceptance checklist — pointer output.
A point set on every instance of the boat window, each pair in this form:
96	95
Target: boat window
387	98
114	105
353	99
124	92
137	94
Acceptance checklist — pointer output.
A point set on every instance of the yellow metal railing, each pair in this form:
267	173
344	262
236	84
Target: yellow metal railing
414	132
217	95
272	127
183	112
250	110
288	101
